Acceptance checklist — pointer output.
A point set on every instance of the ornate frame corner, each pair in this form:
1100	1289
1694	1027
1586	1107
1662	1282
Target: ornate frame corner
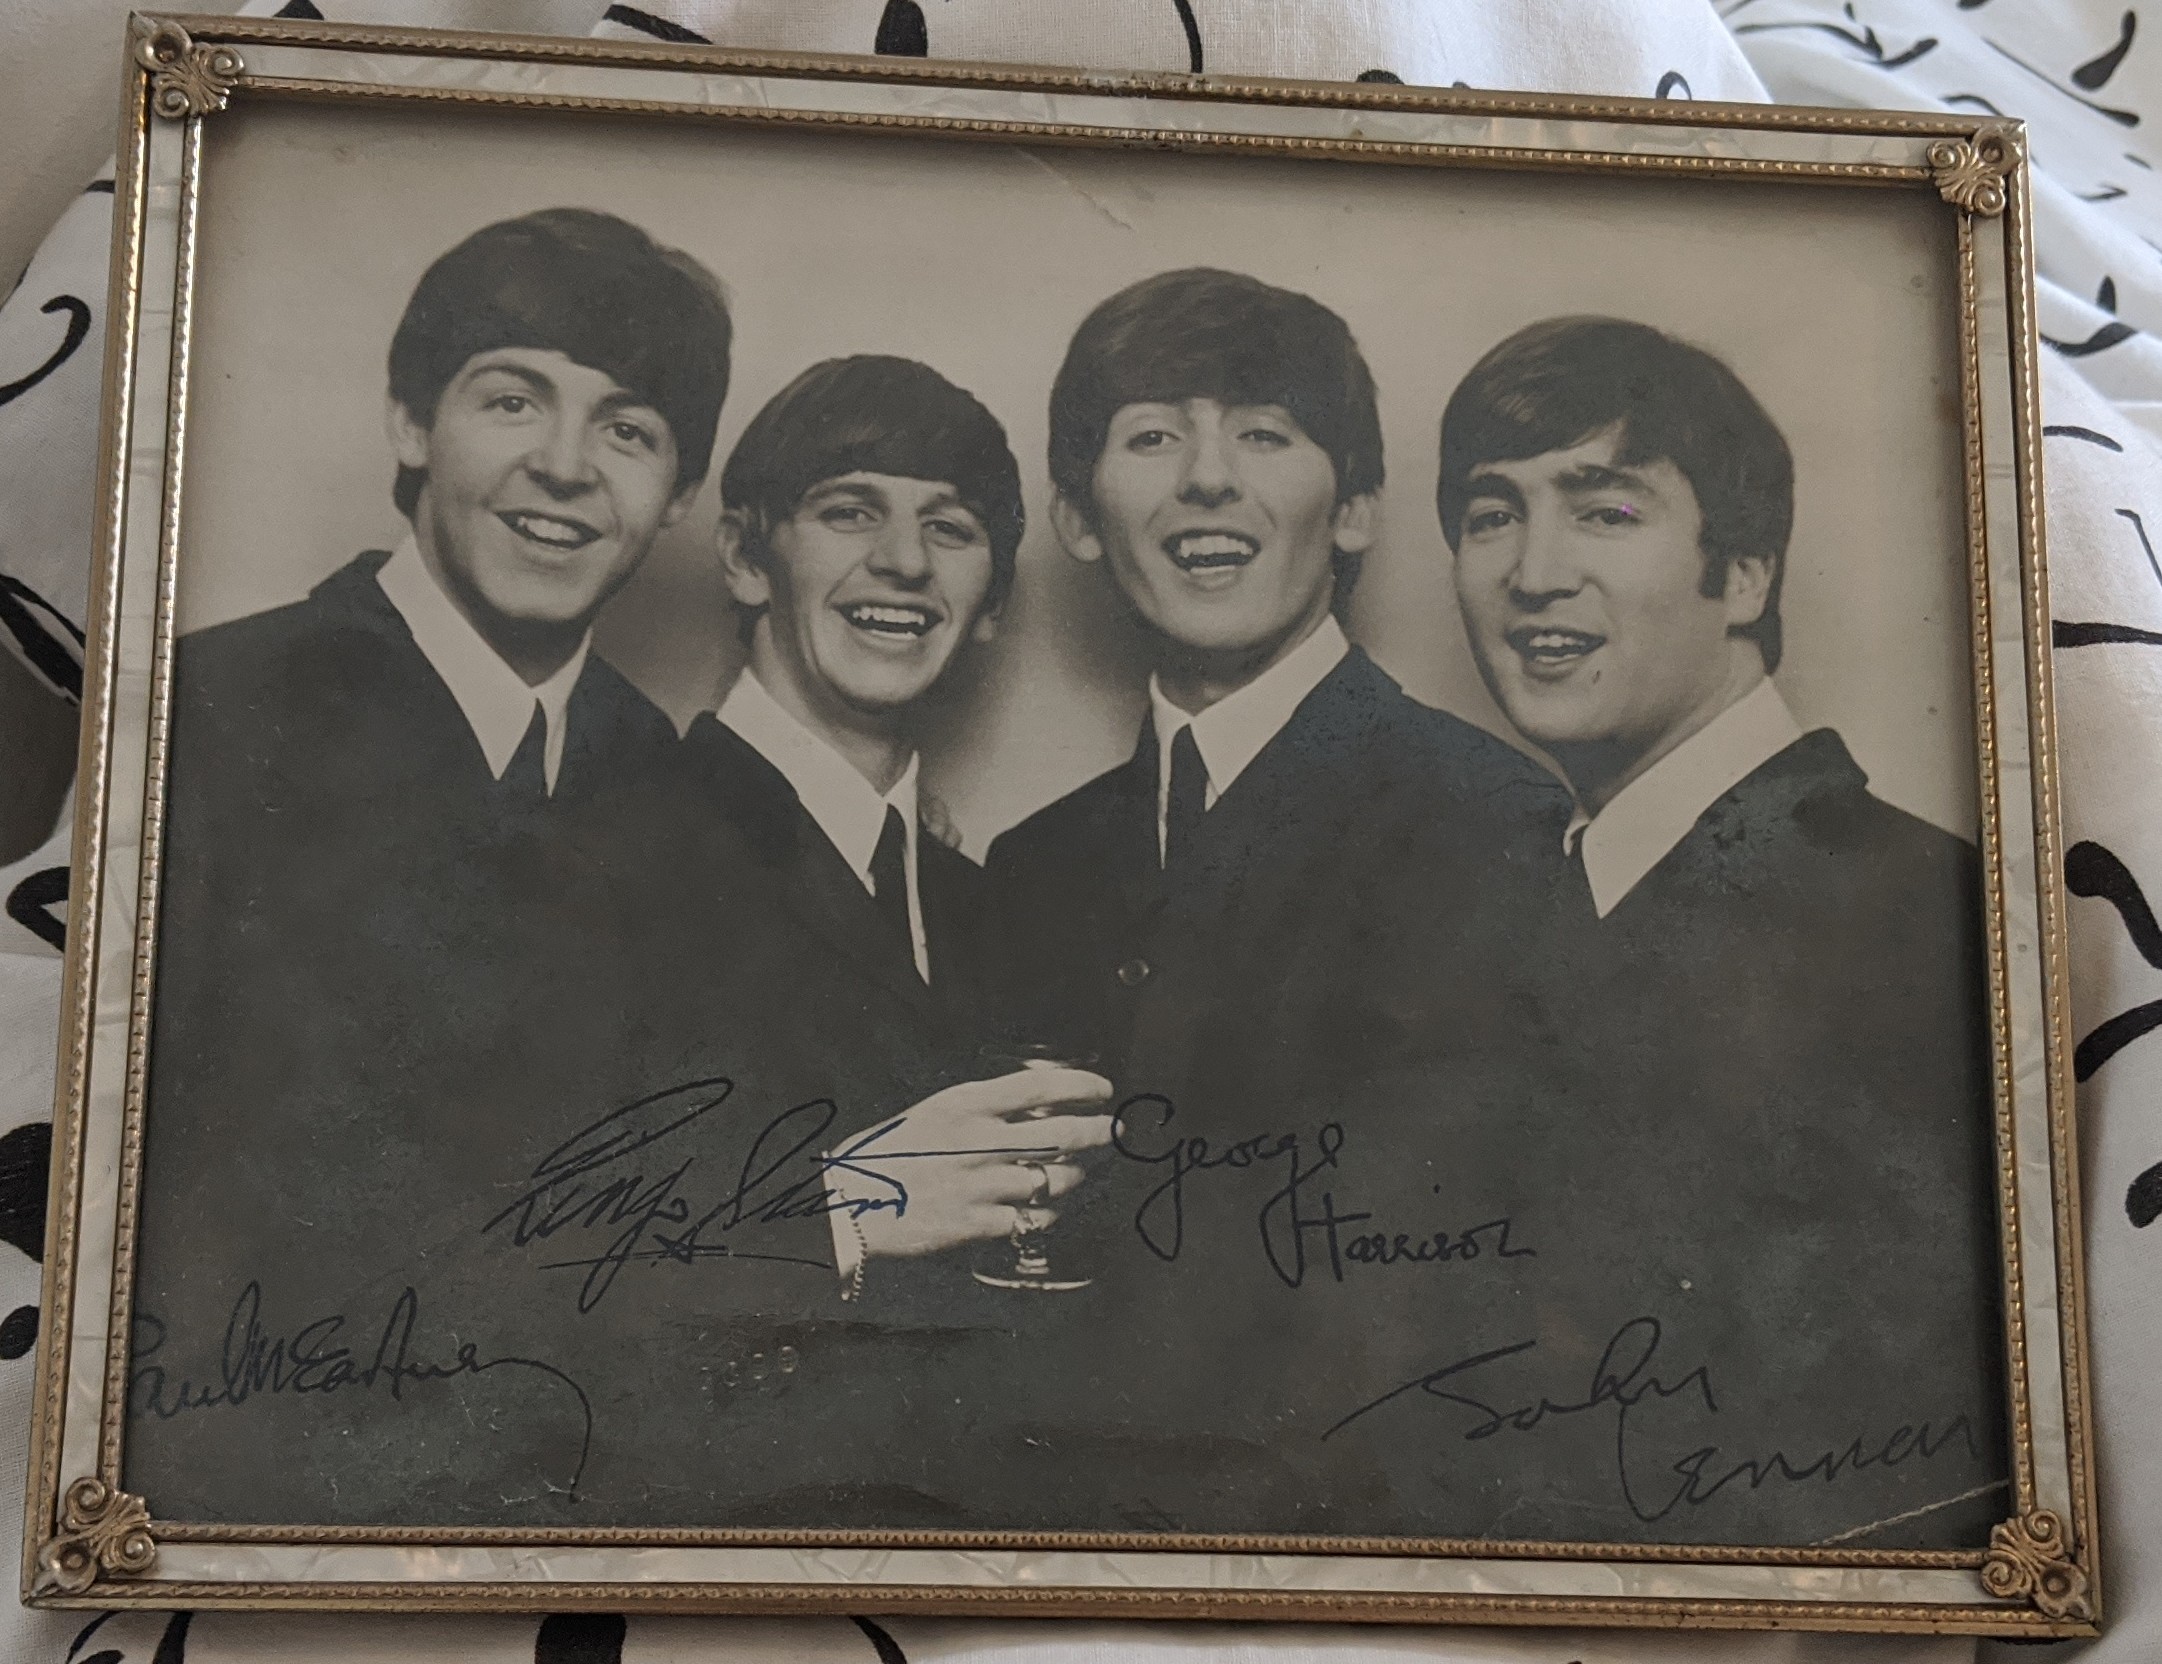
187	77
104	1533
1970	173
2031	1559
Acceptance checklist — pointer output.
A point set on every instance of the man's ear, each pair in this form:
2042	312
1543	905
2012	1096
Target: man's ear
1075	534
747	582
1749	587
1358	523
408	438
680	504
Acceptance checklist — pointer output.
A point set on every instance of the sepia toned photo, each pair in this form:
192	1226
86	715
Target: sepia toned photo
857	839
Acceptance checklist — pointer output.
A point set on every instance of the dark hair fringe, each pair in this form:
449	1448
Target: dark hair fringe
1554	385
876	414
1201	333
588	285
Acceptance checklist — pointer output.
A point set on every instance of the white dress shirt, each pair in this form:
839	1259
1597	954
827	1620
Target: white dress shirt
1655	811
841	801
1232	732
497	701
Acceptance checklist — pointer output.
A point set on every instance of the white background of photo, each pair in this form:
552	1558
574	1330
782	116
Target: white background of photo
1835	305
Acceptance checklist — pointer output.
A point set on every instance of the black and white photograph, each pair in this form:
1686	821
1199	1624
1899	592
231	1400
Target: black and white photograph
874	835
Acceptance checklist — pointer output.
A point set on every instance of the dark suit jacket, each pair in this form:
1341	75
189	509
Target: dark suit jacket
1778	1145
787	983
377	978
537	1092
1258	1007
1476	1215
1291	882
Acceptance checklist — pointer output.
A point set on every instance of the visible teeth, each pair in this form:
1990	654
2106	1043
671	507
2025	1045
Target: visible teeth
1197	547
545	528
1557	641
913	620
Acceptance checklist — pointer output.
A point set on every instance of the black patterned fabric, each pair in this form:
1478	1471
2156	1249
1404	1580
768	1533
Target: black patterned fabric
2081	72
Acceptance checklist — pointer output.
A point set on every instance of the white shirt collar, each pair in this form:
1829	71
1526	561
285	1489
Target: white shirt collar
497	701
1231	733
844	804
1656	810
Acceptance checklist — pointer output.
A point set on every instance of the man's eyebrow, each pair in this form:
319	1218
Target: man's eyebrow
1592	476
1495	485
534	379
841	487
946	500
623	399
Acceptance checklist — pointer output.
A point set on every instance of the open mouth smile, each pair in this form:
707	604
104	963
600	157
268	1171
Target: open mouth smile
1211	551
1551	647
550	531
893	620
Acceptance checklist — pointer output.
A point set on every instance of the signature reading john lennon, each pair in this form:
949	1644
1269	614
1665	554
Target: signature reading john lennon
1623	1380
310	1360
588	1183
1291	1213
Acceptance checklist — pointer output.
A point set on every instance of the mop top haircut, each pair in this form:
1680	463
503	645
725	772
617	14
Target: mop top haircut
588	285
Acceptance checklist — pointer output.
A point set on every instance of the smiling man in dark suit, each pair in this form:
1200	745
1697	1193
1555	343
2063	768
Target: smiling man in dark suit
1779	1142
829	967
1217	919
872	516
555	383
399	808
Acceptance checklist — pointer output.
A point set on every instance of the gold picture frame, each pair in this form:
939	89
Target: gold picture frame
89	1543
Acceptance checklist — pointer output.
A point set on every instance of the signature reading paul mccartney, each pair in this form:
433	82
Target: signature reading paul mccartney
313	1361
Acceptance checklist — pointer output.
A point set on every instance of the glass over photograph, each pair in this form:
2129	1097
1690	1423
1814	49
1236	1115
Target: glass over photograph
880	835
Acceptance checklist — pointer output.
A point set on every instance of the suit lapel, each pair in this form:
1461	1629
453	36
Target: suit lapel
809	876
351	599
1301	787
1737	837
948	884
598	734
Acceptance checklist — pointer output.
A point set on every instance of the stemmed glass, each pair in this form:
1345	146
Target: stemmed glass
1030	1267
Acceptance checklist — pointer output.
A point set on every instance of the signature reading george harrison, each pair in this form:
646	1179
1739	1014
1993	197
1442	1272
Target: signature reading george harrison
555	1120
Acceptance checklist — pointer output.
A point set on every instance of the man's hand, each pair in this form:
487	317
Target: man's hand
958	1165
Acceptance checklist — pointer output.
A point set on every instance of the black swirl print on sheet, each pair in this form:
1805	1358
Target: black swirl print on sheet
92	1642
2109	335
2101	632
39	633
26	1159
660	28
2091	869
580	1638
1861	39
39	904
78	326
49	641
903	31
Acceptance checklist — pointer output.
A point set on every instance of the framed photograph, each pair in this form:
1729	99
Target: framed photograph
867	836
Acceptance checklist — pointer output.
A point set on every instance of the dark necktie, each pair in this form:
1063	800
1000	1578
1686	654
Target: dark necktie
526	779
1576	898
889	880
1188	800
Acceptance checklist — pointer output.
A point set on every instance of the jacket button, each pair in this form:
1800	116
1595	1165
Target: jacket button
1134	972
